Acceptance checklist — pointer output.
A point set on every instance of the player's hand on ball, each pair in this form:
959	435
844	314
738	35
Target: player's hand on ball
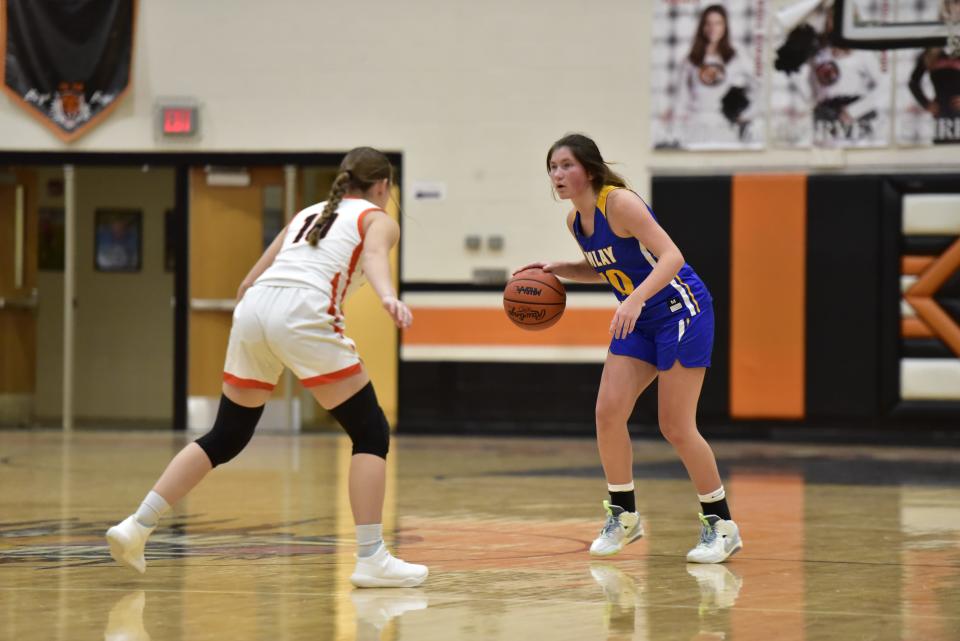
625	318
547	267
398	311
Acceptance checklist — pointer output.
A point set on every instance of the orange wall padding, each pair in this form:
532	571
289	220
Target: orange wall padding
486	326
768	280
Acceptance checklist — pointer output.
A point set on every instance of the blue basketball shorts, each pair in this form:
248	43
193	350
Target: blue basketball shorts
688	340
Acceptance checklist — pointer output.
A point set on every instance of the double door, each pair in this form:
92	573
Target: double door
234	216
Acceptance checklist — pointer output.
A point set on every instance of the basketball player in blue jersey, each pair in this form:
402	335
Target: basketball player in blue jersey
662	328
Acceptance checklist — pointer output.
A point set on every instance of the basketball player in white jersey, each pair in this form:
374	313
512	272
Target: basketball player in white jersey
290	314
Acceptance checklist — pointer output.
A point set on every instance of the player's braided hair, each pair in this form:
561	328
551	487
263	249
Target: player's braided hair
588	154
361	168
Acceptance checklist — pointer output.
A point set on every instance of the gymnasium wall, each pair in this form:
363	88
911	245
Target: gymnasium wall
472	94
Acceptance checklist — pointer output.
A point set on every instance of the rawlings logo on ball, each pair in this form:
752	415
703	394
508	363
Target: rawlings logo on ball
523	313
534	299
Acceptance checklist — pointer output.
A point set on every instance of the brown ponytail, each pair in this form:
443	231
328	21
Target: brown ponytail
360	170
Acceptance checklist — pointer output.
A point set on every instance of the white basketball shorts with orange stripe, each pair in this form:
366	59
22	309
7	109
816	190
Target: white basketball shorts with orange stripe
275	327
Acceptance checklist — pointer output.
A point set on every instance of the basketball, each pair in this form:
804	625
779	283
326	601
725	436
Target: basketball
534	299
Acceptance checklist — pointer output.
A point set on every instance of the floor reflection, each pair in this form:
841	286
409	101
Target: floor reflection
375	609
125	621
839	543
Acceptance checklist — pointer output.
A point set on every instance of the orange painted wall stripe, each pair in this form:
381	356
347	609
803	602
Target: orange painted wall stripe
490	326
767	284
914	328
915	265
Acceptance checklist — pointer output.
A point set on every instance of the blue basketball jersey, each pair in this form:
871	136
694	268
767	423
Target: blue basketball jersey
625	263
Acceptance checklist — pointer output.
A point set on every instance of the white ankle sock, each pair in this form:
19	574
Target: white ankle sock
713	497
153	507
369	539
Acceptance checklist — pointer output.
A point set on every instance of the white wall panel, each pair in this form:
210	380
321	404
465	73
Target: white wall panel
472	94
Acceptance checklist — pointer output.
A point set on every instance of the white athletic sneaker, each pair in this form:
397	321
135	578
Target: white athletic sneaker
621	528
719	587
719	539
125	622
127	539
383	570
377	607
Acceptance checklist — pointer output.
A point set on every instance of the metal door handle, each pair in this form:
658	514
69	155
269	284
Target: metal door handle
20	303
212	304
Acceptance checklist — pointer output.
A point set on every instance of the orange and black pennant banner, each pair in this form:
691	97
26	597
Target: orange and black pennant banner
67	62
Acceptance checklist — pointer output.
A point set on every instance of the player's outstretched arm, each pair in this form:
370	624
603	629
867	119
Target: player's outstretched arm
580	272
382	233
577	271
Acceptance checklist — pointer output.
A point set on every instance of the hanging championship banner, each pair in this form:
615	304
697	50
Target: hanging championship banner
67	62
707	74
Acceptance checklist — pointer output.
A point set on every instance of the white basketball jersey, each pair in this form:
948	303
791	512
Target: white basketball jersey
332	267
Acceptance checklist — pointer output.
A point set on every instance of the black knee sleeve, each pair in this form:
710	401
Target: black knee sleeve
231	431
361	417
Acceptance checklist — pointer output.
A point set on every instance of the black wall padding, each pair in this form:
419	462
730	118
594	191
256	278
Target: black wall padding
925	348
695	211
950	287
926	245
843	297
515	398
888	276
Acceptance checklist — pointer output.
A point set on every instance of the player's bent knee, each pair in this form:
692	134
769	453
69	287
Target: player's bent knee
363	420
232	430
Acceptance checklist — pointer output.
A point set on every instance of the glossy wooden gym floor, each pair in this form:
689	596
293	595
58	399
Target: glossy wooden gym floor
840	543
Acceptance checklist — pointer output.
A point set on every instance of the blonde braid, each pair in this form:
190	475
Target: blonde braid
337	190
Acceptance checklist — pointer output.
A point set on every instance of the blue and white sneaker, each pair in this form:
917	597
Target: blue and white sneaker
620	528
719	540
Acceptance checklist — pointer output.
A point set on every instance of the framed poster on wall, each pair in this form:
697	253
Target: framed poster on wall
118	240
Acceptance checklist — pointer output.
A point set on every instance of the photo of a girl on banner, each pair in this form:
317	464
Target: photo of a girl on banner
706	85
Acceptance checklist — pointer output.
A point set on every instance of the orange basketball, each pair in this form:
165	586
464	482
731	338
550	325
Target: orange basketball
534	299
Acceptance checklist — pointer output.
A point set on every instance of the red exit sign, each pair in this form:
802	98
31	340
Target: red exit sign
178	121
